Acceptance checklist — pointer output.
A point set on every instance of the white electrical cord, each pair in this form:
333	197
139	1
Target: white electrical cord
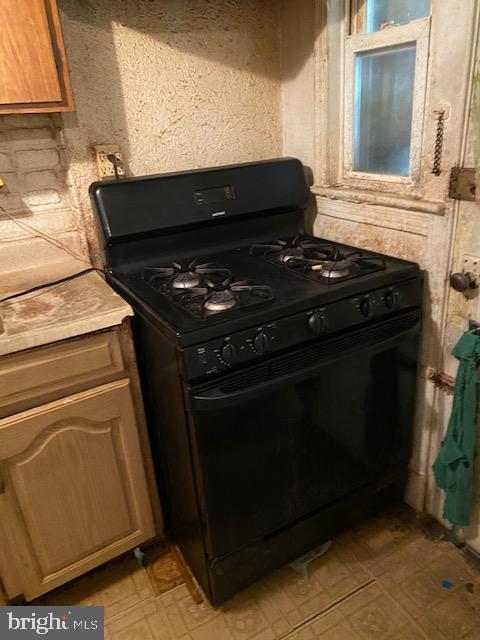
37	233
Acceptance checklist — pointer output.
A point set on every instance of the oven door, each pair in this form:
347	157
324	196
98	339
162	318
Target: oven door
280	439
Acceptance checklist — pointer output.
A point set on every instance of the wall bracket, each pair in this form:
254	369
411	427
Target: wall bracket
462	183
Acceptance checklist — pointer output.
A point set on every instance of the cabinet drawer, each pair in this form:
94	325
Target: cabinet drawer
42	375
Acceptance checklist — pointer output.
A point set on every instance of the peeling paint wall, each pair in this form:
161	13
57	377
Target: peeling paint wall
178	84
35	202
460	310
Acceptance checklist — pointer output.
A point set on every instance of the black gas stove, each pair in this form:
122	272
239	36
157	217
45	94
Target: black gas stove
278	368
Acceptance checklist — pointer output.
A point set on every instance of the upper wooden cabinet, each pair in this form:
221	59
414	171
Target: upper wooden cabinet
33	68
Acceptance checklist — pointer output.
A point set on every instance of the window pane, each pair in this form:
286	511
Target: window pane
383	99
394	11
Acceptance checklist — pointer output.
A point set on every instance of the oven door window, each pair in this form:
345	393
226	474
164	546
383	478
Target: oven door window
274	457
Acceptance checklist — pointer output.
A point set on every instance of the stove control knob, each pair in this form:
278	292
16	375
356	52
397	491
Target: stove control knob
366	306
391	299
317	323
228	352
261	342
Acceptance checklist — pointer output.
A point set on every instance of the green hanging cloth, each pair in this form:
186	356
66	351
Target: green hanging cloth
453	467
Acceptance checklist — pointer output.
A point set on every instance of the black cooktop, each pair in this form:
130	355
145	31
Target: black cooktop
244	287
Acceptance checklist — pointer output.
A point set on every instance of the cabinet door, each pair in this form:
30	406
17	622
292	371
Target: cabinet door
33	70
73	490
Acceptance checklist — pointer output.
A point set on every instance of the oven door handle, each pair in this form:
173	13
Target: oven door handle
214	398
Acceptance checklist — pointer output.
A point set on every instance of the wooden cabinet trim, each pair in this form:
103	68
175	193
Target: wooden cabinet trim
60	55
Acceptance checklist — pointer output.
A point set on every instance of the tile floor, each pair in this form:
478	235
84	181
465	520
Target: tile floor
380	581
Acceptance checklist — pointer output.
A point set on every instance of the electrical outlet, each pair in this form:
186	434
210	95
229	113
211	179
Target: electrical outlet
471	264
105	167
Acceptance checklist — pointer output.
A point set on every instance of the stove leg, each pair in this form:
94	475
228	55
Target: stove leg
300	565
140	556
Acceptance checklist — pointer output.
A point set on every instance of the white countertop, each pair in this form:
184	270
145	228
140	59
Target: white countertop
65	310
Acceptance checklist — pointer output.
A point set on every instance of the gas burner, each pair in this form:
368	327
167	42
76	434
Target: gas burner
181	277
220	301
186	280
286	251
221	296
289	253
343	266
336	268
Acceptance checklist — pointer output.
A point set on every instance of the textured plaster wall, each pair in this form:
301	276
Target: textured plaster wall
176	83
299	32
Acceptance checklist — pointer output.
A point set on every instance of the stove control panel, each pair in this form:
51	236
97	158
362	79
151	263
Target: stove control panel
223	354
374	303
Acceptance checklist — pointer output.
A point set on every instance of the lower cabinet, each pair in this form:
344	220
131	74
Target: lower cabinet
73	489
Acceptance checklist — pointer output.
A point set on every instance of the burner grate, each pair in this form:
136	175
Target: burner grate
205	290
286	251
176	276
317	260
213	299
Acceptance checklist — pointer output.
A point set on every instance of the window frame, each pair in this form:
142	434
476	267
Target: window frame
356	16
418	32
450	61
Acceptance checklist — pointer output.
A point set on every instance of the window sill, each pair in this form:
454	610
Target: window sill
360	196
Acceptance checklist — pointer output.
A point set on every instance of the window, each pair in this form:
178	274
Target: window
380	13
385	77
383	99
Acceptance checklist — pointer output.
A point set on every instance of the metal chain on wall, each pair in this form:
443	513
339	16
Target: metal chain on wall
437	153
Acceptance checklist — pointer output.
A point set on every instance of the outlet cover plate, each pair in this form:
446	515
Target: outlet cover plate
105	168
